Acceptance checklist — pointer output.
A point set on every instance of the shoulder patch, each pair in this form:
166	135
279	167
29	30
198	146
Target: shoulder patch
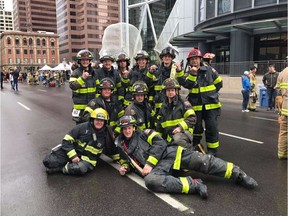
147	131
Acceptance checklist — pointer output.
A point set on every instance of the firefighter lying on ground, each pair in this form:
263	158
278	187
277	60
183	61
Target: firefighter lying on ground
157	161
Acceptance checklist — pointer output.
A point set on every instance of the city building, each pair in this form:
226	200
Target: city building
6	18
28	50
35	15
81	24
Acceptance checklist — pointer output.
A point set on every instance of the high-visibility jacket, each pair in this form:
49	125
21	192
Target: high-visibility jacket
85	142
83	90
282	84
175	114
203	88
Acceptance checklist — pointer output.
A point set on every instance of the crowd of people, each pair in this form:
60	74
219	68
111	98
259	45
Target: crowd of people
138	117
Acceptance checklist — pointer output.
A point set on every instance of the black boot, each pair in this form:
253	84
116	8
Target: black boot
212	151
243	179
201	188
50	171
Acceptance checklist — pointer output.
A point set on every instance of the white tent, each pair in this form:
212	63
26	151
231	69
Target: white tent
45	68
61	67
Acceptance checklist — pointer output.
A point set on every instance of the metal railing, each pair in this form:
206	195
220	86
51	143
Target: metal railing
237	68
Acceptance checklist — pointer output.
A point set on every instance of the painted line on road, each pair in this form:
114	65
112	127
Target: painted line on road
137	179
242	138
267	119
27	108
42	90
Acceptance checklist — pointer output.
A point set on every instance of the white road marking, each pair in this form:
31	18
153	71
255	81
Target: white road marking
27	108
267	119
137	179
42	90
242	138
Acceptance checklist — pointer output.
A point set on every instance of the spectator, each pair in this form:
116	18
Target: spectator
253	94
269	80
2	76
11	80
245	91
15	78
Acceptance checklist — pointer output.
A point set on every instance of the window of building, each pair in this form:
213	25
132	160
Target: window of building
31	61
224	6
44	52
52	43
9	51
264	2
17	41
26	60
31	52
44	61
25	41
38	52
38	42
243	4
18	61
43	42
39	61
10	60
17	51
210	9
25	52
52	52
30	41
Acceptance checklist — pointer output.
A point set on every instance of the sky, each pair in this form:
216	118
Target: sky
8	4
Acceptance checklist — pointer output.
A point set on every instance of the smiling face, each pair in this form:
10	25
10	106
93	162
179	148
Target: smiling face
195	61
167	59
142	62
98	123
106	93
85	62
128	131
171	93
107	64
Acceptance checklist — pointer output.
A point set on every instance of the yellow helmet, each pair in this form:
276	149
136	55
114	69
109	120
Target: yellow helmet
99	113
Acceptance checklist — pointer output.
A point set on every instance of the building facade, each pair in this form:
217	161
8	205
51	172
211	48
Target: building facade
81	24
28	50
6	18
35	15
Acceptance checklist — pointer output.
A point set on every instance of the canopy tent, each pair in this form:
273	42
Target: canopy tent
45	68
61	67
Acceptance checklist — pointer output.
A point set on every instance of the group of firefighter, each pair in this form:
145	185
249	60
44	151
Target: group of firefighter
157	131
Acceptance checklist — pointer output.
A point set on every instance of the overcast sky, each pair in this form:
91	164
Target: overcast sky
8	5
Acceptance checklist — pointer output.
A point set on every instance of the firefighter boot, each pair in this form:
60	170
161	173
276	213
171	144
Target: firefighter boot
50	171
200	188
240	177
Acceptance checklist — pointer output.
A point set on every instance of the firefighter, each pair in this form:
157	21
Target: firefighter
106	101
253	90
82	146
204	84
147	153
140	109
155	78
176	118
83	84
207	58
108	71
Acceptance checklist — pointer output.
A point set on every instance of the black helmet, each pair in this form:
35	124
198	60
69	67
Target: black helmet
139	87
106	83
122	56
126	121
84	54
167	51
170	84
107	56
141	54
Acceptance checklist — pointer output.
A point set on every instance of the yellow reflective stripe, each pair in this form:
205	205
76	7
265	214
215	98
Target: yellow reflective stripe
124	162
152	160
207	88
118	85
229	169
179	73
151	136
125	80
81	143
85	158
171	122
85	90
194	134
282	154
283	85
212	106
89	109
169	138
192	78
93	150
213	145
72	79
79	106
150	75
184	125
68	138
153	113
112	123
188	113
117	130
185	185
120	97
80	81
177	162
191	130
126	102
71	153
158	87
197	108
97	82
194	90
284	111
121	113
218	80
116	157
158	105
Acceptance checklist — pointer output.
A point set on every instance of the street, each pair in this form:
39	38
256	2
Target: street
36	118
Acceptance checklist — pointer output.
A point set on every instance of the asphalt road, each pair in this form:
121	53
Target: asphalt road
36	118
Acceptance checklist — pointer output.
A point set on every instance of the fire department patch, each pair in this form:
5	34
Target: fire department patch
133	112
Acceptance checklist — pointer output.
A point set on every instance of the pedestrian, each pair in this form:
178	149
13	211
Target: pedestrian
269	80
245	90
83	84
203	83
176	118
148	154
2	78
82	146
15	78
11	79
282	85
253	90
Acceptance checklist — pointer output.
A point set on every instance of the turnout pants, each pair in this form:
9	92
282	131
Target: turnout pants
282	140
59	159
161	178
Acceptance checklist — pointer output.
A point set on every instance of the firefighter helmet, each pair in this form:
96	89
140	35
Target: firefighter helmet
84	54
126	120
209	55
139	87
141	54
107	83
122	56
194	53
106	56
170	84
167	51
99	113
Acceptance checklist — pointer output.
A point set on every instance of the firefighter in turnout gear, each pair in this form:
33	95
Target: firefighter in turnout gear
176	118
82	146
203	83
155	78
147	153
253	90
107	102
83	84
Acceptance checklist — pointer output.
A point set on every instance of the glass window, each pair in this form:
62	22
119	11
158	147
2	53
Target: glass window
9	51
39	61
210	9
16	41
52	43
31	51
25	52
17	51
224	6
44	52
53	52
43	42
30	41
264	2
10	60
38	42
38	52
24	41
243	4
44	61
18	60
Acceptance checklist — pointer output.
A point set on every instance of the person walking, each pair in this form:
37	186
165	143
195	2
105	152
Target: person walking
253	90
15	78
245	90
11	79
148	154
269	80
